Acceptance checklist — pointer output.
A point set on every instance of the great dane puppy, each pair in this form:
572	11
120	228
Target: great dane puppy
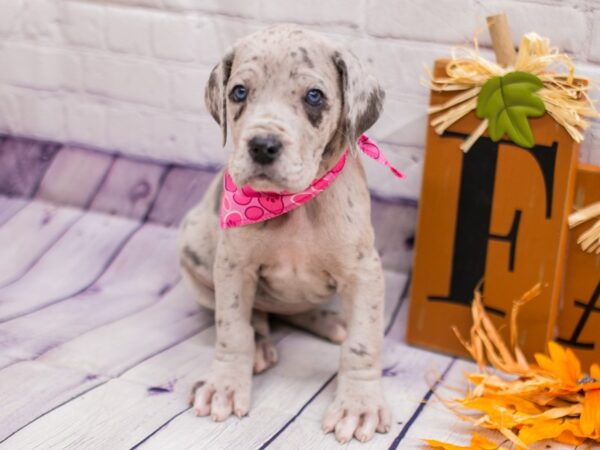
292	101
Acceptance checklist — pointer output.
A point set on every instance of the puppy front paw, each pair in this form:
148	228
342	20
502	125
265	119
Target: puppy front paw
358	410
223	393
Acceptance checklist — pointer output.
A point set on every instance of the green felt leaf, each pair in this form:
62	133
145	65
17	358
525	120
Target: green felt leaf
507	102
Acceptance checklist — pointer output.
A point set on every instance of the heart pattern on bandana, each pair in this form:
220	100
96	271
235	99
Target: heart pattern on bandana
244	206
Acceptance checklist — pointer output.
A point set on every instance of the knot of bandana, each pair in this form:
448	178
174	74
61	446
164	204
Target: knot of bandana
245	206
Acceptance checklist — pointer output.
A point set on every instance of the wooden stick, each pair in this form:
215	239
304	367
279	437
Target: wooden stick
501	40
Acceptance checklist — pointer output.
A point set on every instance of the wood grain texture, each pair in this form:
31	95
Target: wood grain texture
129	188
69	266
117	346
30	232
9	206
6	360
142	272
22	165
116	415
183	188
29	389
74	177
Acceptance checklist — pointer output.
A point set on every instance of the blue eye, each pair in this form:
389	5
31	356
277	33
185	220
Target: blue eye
238	93
314	97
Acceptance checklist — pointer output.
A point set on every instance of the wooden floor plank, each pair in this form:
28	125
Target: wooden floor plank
182	189
9	206
29	233
155	391
70	266
6	360
23	163
113	348
115	415
292	382
74	177
139	276
130	188
29	389
405	383
284	388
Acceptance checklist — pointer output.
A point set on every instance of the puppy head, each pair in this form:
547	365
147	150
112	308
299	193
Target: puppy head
290	99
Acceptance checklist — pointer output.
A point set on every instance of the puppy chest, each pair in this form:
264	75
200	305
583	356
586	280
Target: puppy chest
292	281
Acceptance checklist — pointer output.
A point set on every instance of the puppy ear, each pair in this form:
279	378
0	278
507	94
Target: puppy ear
362	96
215	93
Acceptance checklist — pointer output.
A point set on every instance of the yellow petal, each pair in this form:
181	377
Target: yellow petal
549	429
444	445
481	442
590	416
478	442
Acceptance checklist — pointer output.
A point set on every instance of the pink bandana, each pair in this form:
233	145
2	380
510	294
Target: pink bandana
244	206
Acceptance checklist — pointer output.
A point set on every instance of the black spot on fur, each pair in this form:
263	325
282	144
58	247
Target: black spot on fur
192	256
315	113
371	112
359	350
197	386
211	87
305	58
239	112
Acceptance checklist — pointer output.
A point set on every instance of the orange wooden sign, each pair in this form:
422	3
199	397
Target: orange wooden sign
579	319
496	215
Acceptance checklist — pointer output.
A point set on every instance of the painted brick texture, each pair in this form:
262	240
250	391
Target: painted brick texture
129	75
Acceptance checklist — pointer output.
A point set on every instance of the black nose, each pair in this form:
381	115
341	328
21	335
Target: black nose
264	149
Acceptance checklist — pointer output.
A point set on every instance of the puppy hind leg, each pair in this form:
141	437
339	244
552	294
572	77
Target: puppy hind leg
265	355
324	323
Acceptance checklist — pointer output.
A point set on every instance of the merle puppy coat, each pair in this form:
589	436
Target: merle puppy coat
291	101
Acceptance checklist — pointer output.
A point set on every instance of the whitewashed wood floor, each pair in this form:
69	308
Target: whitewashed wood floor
100	342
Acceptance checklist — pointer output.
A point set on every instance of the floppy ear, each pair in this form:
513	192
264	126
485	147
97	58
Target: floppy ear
362	96
215	95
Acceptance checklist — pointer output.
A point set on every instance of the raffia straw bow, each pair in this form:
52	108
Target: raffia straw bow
589	239
565	97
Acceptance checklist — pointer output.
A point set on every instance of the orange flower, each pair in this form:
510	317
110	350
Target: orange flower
551	400
561	363
590	416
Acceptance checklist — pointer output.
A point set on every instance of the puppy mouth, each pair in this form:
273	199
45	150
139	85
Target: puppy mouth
263	182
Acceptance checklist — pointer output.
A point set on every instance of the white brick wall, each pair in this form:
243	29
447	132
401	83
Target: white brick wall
129	75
